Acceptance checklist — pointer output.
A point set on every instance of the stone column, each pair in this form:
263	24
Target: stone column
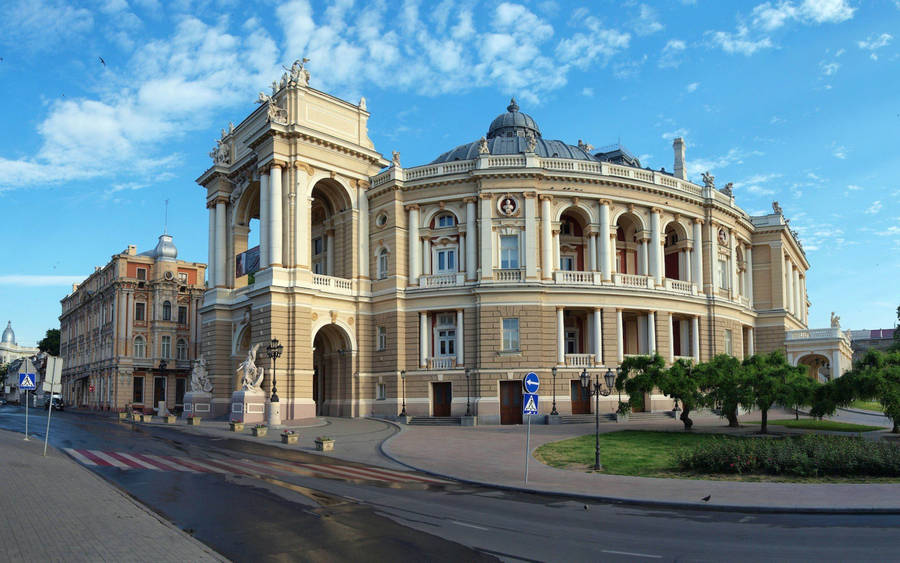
620	337
531	255
462	263
413	243
302	203
211	270
697	258
486	234
592	252
671	339
557	257
655	266
426	256
751	345
733	251
546	239
329	252
613	254
651	332
748	258
688	261
363	229
275	217
560	336
264	229
460	340
804	308
789	285
220	244
423	340
605	258
798	306
598	341
643	262
471	260
695	339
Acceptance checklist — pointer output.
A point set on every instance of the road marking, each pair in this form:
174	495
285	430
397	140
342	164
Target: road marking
78	457
131	460
632	553
110	460
458	523
164	464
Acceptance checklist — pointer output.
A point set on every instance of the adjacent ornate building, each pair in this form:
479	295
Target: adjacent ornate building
9	349
436	287
128	332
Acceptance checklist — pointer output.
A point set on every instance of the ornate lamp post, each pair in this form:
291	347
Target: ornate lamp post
403	380
468	402
274	351
598	389
554	412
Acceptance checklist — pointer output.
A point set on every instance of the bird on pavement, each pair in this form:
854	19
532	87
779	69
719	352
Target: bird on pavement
706	498
102	61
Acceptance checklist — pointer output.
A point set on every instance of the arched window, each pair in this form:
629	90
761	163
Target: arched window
181	349
167	311
445	220
140	347
382	265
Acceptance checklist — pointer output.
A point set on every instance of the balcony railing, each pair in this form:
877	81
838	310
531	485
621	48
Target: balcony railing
680	286
580	360
632	280
443	280
332	284
508	275
815	333
576	278
442	362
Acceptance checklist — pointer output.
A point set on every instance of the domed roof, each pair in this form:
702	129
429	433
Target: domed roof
165	250
513	123
9	337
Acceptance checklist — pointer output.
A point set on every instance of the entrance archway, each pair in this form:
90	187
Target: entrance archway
332	389
818	366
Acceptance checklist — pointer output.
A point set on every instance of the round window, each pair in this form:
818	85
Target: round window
381	219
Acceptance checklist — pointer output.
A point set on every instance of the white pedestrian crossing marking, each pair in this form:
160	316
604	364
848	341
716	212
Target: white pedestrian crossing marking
243	466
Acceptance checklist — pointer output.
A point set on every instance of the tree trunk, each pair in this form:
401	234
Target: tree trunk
896	429
732	416
764	428
796	413
688	423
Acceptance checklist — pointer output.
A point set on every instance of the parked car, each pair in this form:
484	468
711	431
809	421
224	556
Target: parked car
56	401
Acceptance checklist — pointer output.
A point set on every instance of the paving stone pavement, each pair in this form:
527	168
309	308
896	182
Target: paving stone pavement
53	509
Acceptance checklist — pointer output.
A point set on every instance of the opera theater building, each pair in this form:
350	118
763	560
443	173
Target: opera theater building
435	287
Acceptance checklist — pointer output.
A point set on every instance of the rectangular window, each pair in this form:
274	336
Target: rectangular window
729	346
446	221
571	342
382	264
317	268
380	394
182	315
142	273
446	260
380	338
137	395
509	252
724	275
567	263
165	347
317	246
510	335
182	277
139	311
447	342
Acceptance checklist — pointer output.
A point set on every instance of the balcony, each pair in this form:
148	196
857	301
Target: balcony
502	275
443	280
680	286
442	362
566	277
579	360
818	334
632	280
332	284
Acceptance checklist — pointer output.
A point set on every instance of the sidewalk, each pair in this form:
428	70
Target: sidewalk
53	509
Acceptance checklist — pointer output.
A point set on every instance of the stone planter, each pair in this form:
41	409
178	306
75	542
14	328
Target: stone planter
290	438
136	417
259	432
236	426
123	415
324	445
147	418
171	418
194	421
621	417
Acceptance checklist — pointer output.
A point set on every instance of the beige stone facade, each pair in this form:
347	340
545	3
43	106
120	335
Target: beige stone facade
129	332
455	278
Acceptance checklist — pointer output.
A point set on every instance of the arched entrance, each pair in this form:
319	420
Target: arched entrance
332	389
818	366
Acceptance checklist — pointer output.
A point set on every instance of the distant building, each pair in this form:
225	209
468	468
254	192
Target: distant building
9	349
865	339
129	332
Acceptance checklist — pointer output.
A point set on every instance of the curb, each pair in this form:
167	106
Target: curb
648	503
869	413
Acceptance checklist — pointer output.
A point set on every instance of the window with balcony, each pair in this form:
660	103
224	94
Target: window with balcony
510	335
445	335
445	260
509	252
165	347
567	263
139	311
181	349
317	246
140	347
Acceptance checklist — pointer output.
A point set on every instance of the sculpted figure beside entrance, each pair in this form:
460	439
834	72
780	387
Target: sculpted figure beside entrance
251	376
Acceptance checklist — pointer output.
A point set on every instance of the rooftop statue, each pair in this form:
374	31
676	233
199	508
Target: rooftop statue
395	159
532	141
483	146
709	181
362	103
251	376
835	320
728	189
200	376
776	208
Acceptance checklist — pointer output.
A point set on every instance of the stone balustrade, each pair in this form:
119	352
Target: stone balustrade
580	360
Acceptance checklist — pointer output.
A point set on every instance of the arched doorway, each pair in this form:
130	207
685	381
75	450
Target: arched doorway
332	389
818	367
631	246
330	230
573	256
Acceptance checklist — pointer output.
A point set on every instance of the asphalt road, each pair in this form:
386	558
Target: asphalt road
253	513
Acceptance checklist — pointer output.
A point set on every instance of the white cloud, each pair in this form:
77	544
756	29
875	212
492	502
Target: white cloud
768	17
647	22
739	42
839	151
873	43
628	68
874	208
775	120
757	183
692	87
589	92
825	11
854	187
829	69
670	57
32	280
42	24
697	166
681	132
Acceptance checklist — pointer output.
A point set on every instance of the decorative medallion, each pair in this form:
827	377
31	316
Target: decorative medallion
508	206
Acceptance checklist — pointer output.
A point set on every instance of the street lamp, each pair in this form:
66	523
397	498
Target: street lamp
274	351
468	403
403	380
554	412
597	389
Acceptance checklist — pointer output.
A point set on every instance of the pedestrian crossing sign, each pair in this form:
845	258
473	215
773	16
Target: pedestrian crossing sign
26	381
530	403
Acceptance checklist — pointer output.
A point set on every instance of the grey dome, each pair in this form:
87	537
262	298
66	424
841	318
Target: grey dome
165	250
513	123
9	337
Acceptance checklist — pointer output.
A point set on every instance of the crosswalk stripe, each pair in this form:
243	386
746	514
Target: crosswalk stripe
133	461
80	458
343	471
195	465
224	466
407	476
167	465
208	467
110	460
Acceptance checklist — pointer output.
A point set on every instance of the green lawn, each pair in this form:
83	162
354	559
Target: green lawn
867	405
813	424
629	452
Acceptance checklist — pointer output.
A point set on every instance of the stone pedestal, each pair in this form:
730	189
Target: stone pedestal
552	419
468	421
197	403
248	406
274	414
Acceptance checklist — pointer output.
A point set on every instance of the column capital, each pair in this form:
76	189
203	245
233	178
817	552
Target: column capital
529	195
699	220
486	196
469	199
275	163
412	207
598	309
546	197
604	202
655	210
560	308
217	200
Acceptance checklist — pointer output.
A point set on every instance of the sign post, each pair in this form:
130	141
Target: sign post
52	385
26	383
530	384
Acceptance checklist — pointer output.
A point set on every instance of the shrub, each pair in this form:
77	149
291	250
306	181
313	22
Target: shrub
809	455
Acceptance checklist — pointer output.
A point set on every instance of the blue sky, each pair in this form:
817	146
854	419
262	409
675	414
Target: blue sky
794	101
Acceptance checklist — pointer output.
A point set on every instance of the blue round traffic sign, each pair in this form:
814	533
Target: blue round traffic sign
531	382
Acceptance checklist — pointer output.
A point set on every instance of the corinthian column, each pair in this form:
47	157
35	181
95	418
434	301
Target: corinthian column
546	239
275	216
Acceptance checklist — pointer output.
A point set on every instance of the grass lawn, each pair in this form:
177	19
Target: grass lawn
867	405
629	452
813	424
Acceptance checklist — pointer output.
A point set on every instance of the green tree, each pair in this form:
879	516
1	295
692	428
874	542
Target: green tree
50	342
765	378
877	377
799	390
641	374
682	383
720	380
895	347
638	376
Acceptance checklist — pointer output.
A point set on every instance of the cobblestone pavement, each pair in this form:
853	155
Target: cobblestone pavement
53	509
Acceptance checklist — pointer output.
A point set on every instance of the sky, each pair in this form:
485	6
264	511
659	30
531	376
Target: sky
110	108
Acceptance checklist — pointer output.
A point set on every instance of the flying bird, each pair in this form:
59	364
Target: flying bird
706	498
102	61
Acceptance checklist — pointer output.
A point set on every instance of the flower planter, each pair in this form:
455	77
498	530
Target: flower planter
236	426
290	438
147	417
170	419
123	415
324	445
194	421
136	417
260	431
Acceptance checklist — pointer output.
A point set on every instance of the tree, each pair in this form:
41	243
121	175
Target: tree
799	390
641	374
877	376
895	347
765	378
638	376
50	342
720	380
682	383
